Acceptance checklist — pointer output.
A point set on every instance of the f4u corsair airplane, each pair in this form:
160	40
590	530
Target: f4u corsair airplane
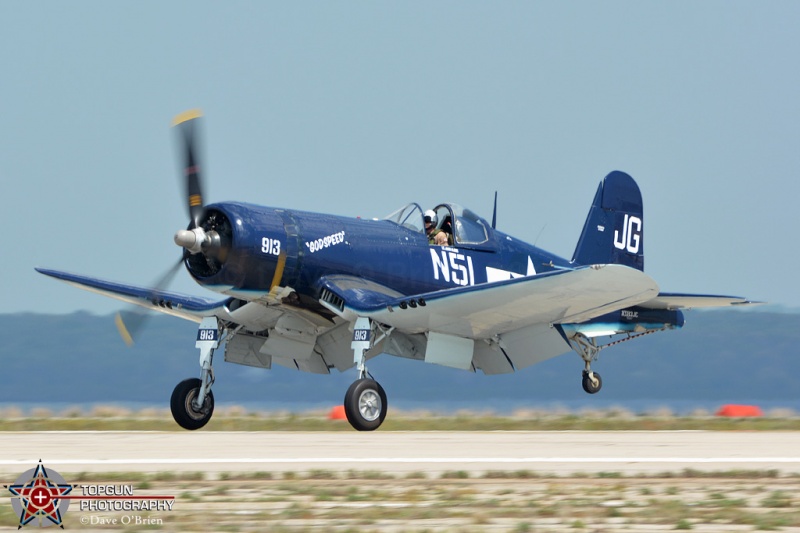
316	292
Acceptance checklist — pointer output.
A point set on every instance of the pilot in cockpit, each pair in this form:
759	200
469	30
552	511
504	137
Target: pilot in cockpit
435	235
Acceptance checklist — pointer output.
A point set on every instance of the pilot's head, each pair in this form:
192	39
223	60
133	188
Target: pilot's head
430	220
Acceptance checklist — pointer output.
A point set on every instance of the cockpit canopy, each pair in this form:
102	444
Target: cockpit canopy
464	225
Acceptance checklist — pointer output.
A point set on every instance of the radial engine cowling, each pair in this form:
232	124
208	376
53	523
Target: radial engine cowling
226	248
208	244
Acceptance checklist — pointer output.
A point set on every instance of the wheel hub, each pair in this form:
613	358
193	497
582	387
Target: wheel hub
191	410
369	405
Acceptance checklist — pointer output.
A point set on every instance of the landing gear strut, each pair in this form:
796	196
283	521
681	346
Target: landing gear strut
365	402
588	349
192	402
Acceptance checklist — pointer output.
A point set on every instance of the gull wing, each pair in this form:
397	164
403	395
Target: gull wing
486	310
293	334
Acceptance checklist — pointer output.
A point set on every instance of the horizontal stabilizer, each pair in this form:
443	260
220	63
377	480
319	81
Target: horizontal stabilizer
171	303
667	300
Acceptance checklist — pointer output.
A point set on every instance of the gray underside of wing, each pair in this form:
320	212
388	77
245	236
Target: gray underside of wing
500	326
507	326
484	311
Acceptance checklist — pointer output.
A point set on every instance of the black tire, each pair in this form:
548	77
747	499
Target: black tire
590	386
365	405
183	411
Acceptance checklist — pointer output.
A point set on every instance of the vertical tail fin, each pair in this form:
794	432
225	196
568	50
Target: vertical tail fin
613	232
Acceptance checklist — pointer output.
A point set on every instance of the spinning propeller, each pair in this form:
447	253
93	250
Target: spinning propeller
197	239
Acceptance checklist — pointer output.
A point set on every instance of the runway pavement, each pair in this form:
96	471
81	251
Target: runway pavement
557	452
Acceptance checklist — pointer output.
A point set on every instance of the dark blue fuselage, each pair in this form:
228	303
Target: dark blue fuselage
280	247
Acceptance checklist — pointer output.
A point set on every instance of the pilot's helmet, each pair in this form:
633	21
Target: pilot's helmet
430	216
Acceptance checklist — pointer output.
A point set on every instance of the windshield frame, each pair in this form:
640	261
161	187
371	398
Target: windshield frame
409	216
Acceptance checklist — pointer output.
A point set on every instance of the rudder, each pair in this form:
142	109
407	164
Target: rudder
613	232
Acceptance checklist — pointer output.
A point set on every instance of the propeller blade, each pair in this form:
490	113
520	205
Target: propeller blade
130	323
187	124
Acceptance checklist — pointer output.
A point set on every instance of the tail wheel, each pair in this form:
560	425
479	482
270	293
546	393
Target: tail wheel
365	404
182	405
591	385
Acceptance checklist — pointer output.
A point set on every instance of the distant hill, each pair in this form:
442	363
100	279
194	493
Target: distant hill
720	356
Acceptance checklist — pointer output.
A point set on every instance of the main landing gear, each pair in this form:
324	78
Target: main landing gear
588	350
192	402
365	402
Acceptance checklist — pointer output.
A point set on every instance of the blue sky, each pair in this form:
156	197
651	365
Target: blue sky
356	108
